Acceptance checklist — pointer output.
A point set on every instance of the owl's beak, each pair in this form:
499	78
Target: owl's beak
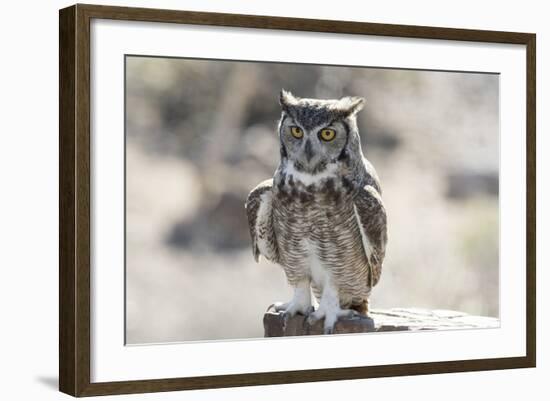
308	151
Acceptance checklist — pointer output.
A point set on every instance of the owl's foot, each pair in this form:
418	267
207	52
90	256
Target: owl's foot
331	316
300	303
329	308
290	309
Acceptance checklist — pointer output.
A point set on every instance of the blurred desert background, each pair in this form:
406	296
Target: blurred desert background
200	134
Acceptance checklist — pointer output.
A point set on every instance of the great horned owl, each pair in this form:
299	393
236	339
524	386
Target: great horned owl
321	216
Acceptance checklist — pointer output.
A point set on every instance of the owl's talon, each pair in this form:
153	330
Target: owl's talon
286	317
278	306
329	330
314	317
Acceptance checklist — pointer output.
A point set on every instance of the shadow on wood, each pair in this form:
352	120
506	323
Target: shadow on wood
397	319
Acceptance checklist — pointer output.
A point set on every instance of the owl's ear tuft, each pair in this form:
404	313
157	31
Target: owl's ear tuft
351	105
286	99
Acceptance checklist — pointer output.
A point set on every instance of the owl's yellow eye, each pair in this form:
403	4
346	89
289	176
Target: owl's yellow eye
327	134
296	132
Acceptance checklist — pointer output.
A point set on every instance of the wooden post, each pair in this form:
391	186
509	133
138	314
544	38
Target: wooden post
379	320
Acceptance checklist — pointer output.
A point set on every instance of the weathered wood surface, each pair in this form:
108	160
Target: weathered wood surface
378	320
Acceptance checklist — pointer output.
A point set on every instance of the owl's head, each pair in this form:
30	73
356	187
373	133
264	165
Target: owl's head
316	132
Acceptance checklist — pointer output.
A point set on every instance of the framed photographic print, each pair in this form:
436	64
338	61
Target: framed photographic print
250	200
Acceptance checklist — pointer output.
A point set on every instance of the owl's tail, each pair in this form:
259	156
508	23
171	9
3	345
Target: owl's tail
362	308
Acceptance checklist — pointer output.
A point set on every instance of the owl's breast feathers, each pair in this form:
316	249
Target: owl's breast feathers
342	221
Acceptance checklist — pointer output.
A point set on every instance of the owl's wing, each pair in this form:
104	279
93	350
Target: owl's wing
260	222
371	218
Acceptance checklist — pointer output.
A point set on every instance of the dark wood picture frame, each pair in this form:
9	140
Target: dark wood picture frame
74	199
